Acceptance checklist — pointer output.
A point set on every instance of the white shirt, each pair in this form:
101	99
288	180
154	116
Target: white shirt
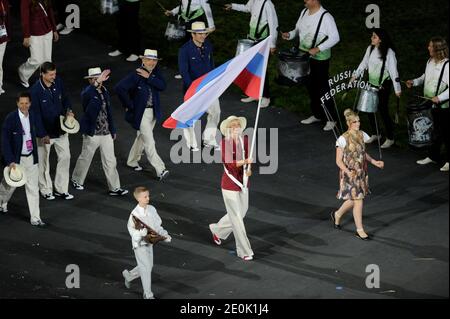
150	217
373	62
195	5
341	142
269	16
307	25
25	121
431	77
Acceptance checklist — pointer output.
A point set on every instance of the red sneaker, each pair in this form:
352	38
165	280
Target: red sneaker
217	240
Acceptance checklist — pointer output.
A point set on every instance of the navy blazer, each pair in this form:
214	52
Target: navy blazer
12	138
47	107
191	64
133	94
92	105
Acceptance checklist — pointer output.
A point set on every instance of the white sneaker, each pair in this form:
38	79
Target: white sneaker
388	143
2	91
127	279
329	126
23	82
444	168
310	120
115	53
248	99
194	149
4	207
178	77
265	102
425	161
373	138
132	58
66	31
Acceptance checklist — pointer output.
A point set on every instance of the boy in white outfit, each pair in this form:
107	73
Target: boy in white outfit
144	215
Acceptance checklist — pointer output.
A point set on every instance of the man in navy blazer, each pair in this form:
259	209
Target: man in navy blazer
50	101
195	59
97	127
139	94
19	147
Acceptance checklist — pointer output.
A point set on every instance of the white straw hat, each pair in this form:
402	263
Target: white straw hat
150	54
225	123
93	73
199	27
15	177
69	124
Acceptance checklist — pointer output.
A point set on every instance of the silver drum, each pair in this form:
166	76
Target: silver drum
368	100
294	66
175	31
244	45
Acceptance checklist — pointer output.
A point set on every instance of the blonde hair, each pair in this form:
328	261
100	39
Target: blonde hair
140	189
440	48
350	116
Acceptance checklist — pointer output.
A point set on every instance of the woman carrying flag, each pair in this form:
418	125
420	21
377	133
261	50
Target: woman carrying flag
235	193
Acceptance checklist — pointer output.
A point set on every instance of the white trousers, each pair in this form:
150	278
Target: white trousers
40	52
236	204
209	135
62	149
145	142
109	163
144	259
31	188
2	54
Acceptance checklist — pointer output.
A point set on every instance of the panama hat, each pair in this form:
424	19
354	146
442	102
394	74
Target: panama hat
93	73
199	27
225	123
69	124
15	177
150	54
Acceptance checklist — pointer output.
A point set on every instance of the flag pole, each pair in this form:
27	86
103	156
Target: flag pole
261	89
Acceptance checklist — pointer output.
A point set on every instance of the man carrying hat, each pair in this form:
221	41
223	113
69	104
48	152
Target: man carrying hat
139	94
263	22
98	131
195	59
20	156
50	103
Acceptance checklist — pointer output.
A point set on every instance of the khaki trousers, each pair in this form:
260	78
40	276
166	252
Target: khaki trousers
236	204
40	52
2	54
109	162
145	142
62	149
209	135
31	188
144	258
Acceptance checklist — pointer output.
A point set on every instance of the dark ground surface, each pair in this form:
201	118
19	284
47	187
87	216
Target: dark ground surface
297	252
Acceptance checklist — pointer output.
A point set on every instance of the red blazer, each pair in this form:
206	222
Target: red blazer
5	19
232	154
35	21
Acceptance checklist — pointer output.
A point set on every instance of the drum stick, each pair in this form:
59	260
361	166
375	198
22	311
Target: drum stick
423	97
161	6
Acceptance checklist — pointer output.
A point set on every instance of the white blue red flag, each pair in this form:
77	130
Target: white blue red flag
247	70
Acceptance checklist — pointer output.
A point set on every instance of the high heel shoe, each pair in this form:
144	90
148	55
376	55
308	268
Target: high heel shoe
363	238
333	218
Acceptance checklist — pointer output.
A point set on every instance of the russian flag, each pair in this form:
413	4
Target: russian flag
247	70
